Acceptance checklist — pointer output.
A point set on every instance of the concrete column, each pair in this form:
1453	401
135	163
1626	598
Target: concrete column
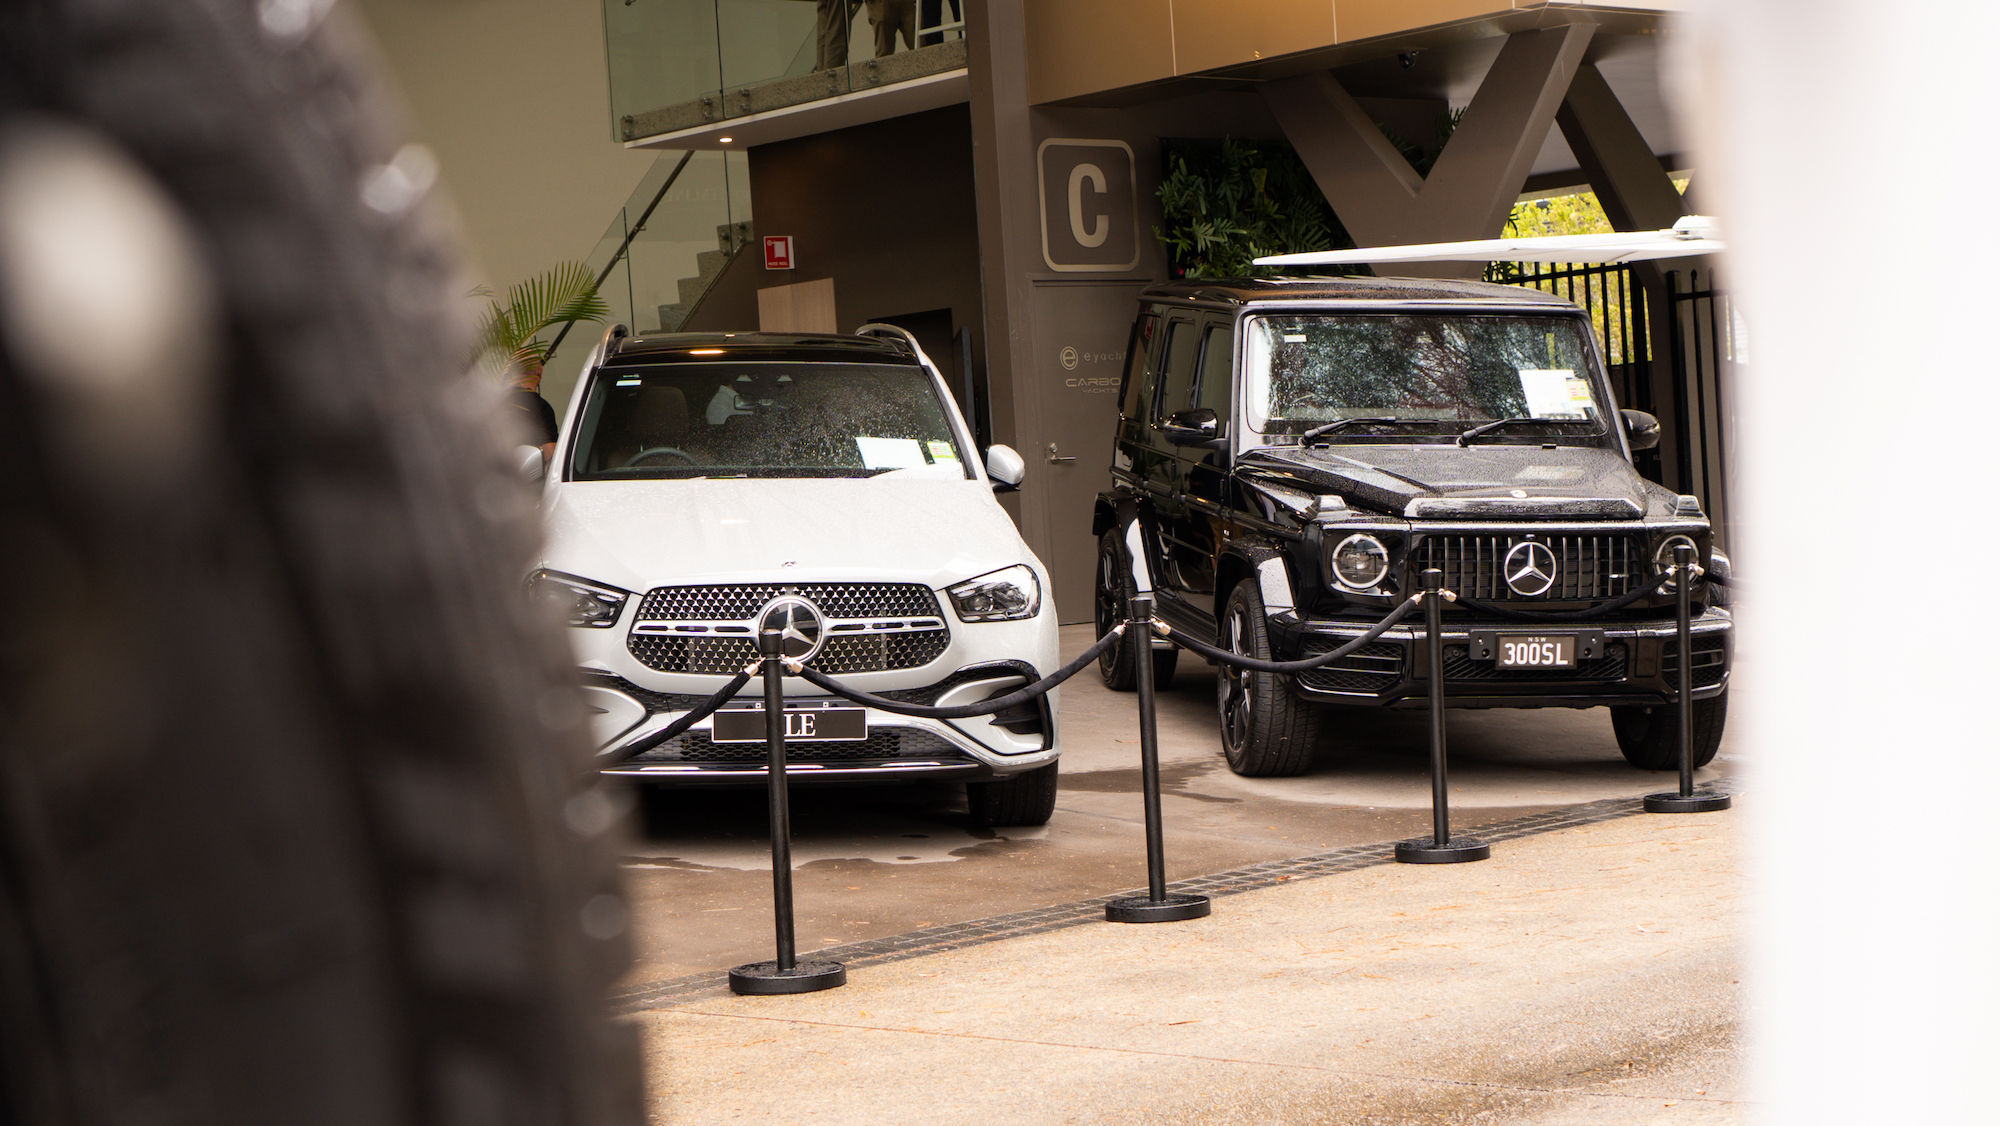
1377	195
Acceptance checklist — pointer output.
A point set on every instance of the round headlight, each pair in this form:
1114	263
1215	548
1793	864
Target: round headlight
1360	562
1663	559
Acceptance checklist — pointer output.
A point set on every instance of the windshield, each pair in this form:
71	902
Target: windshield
764	420
1452	370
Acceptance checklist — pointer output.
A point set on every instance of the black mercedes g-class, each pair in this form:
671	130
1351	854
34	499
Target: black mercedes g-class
1298	451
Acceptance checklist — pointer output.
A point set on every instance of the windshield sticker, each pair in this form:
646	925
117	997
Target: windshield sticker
1555	393
891	453
941	451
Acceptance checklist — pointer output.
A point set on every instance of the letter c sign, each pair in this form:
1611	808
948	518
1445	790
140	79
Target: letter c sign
1089	206
1094	237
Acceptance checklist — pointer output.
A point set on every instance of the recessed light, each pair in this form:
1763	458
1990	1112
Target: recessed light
704	351
725	140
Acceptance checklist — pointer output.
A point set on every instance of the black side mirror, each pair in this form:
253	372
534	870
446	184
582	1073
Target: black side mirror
1642	430
1195	427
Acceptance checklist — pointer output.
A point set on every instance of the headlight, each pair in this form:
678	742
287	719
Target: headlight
1360	562
578	601
1002	596
1663	558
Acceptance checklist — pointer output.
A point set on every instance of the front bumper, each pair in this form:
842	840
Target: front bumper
1637	665
898	748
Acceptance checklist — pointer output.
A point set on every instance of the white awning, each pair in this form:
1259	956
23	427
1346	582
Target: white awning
1696	234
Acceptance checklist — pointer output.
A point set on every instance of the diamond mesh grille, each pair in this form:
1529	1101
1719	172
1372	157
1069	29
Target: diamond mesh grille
726	655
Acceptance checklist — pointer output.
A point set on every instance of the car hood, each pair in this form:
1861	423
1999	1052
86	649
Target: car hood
1445	481
641	534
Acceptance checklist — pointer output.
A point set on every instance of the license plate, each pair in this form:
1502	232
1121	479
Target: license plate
1534	651
802	725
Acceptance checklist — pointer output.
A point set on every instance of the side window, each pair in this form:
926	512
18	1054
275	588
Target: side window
1138	386
1176	371
1212	378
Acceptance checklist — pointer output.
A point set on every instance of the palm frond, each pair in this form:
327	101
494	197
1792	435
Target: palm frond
564	294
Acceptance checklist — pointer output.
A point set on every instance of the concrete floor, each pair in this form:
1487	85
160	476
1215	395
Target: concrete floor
879	861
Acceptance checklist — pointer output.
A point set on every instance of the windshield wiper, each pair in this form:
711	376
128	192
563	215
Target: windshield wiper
1343	423
1467	437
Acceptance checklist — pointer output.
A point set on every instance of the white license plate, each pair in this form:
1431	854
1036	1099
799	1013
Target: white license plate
1534	651
802	725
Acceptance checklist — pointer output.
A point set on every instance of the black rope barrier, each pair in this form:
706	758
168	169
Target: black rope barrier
965	711
1308	664
1613	606
702	711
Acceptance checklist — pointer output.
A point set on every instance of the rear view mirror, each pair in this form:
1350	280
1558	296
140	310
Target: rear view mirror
1006	468
1642	430
1195	427
528	462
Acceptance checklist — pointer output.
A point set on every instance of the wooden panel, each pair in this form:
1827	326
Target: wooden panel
1216	33
804	307
1366	19
1078	47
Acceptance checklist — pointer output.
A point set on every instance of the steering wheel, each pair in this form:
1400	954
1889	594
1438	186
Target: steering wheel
656	450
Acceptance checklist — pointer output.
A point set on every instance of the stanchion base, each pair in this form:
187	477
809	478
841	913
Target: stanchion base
805	977
1674	803
1142	909
1458	850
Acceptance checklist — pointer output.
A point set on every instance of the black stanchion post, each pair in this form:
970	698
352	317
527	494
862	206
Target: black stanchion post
1685	801
1157	906
1441	848
786	974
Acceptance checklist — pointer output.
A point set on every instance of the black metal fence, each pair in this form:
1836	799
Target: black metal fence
1672	340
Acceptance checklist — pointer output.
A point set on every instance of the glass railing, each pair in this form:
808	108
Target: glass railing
681	64
662	251
673	254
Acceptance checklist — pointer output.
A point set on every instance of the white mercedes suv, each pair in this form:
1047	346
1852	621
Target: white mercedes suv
700	477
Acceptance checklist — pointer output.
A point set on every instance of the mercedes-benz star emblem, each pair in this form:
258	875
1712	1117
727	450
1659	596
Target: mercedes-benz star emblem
801	627
1530	569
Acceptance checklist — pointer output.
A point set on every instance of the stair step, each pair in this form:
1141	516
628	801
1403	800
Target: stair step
673	316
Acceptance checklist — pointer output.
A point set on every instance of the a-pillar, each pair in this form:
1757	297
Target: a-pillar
1471	190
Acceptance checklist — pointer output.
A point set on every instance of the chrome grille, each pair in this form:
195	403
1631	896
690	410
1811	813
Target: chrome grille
835	600
1588	568
871	627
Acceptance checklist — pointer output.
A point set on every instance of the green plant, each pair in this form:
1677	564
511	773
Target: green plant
507	333
1228	203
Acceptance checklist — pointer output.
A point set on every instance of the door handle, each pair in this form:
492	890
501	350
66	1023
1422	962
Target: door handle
1058	459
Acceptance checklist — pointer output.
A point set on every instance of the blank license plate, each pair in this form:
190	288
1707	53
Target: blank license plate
802	725
1534	651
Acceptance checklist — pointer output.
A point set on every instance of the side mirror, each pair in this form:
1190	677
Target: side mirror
1641	429
1006	468
528	462
1195	427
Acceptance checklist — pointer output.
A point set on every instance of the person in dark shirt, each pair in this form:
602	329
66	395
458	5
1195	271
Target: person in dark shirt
538	419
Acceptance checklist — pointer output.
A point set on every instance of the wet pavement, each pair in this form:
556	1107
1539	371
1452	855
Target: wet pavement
873	862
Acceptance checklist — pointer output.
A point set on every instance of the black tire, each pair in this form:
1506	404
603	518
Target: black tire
1649	737
1266	731
1118	665
1024	799
294	815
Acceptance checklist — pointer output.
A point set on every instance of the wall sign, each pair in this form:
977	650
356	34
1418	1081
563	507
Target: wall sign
777	252
1090	205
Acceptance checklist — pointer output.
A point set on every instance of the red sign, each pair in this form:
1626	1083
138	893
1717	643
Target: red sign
777	252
